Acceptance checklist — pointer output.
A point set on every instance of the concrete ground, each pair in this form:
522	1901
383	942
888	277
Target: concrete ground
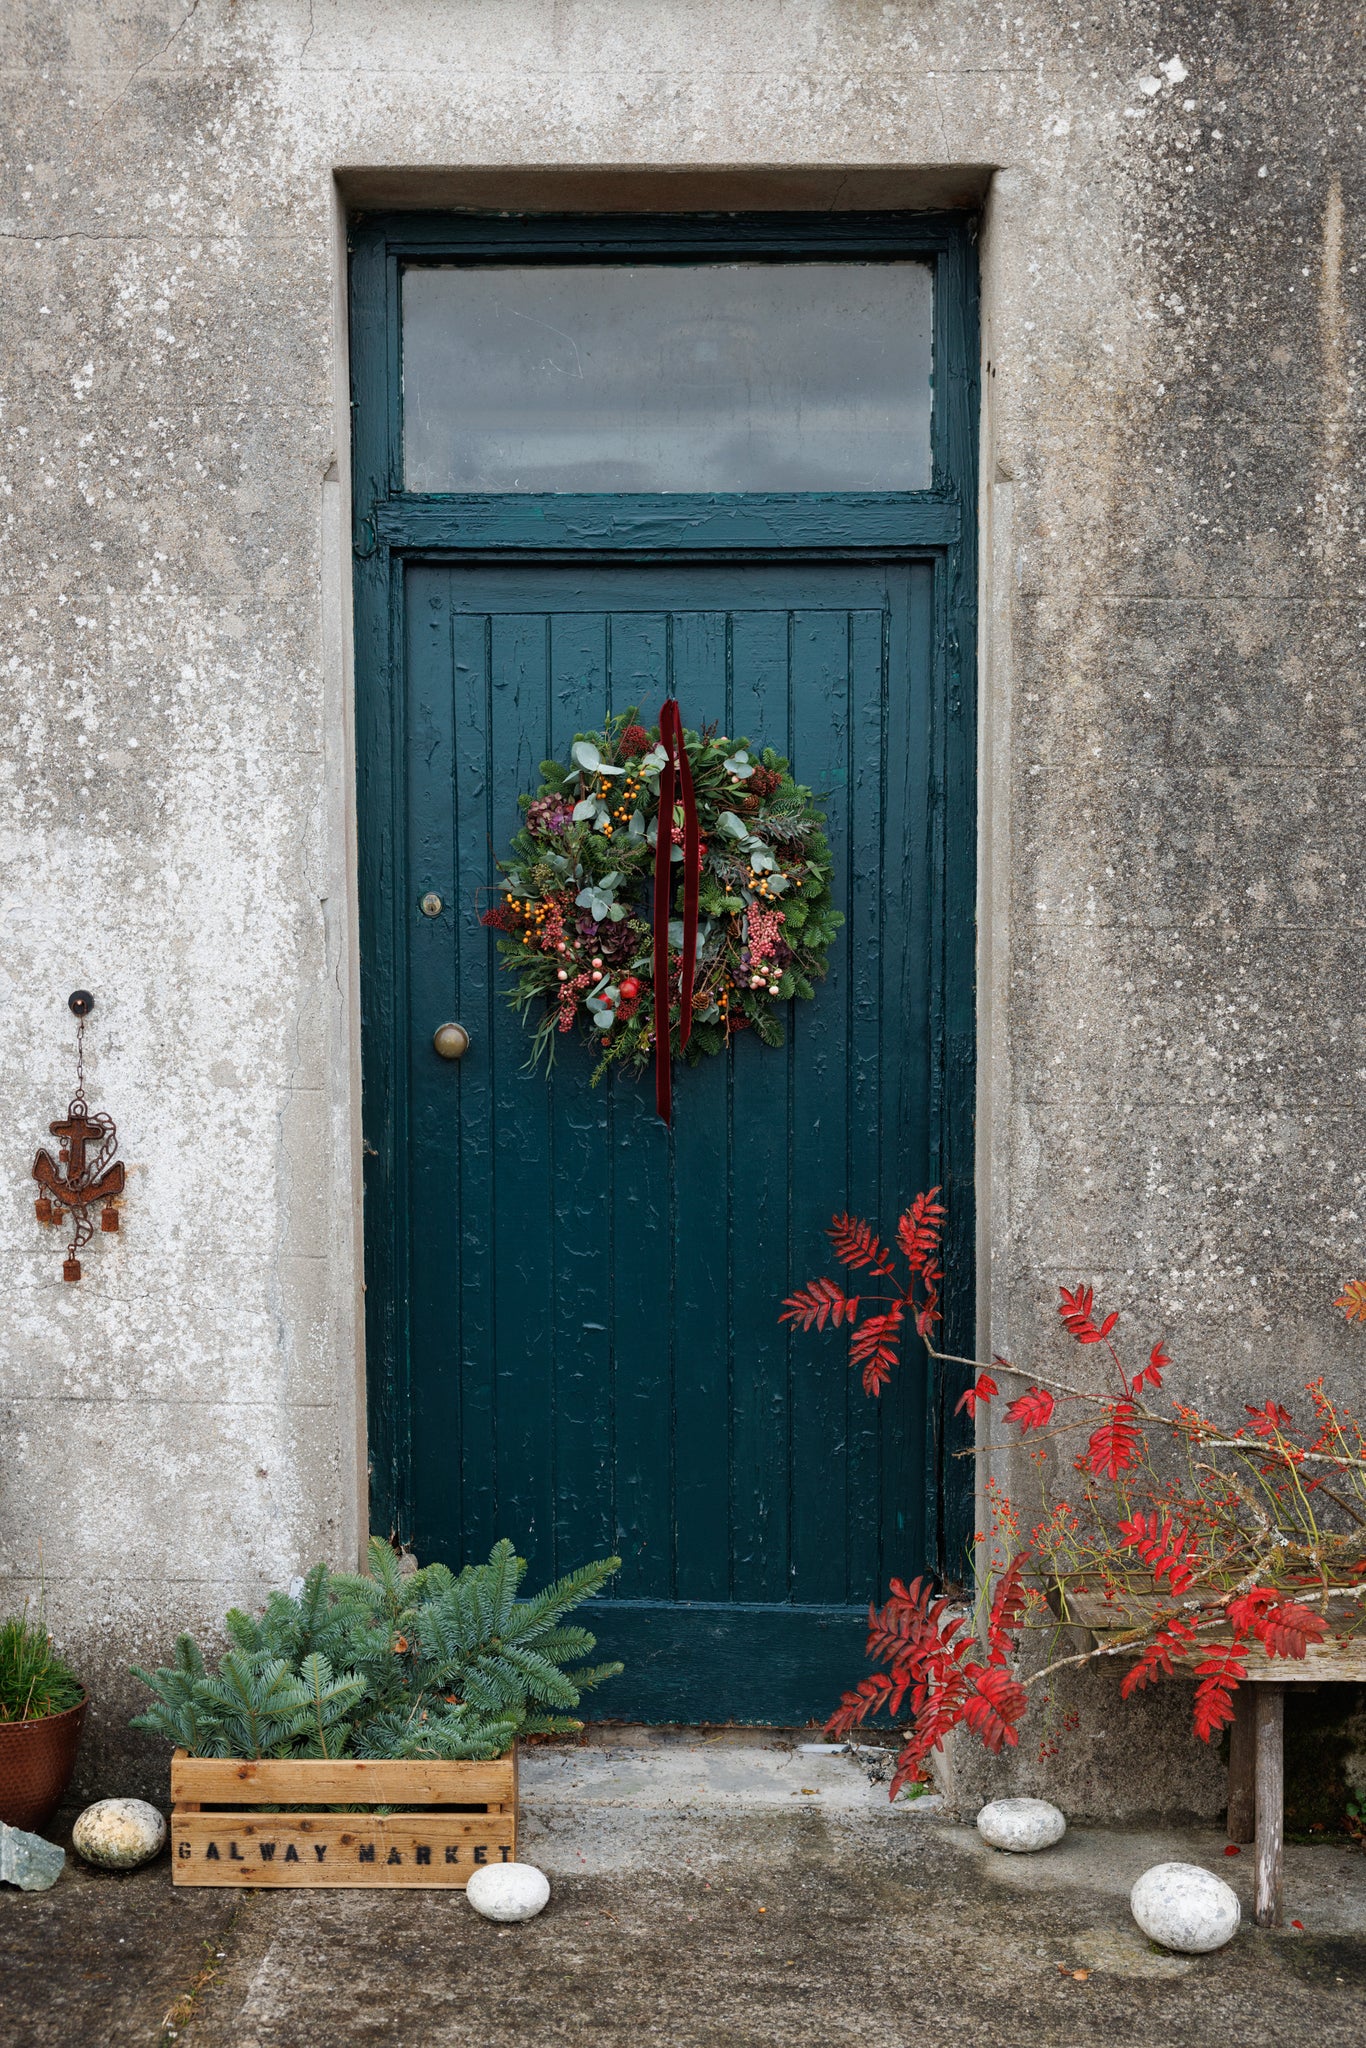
708	1891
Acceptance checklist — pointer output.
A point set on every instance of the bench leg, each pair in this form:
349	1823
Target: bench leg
1242	1766
1270	1801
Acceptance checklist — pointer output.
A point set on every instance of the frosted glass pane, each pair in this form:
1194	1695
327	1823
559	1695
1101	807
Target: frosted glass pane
667	377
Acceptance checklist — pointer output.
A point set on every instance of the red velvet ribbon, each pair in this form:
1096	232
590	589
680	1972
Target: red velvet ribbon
675	782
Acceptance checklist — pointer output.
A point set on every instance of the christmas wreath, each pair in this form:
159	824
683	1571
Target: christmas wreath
747	911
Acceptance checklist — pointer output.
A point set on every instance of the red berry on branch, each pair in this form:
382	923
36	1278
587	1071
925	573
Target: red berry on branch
630	988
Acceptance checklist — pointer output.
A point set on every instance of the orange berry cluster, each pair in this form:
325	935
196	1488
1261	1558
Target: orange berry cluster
626	804
530	913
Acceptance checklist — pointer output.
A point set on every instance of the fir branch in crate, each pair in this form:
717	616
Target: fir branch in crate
382	1664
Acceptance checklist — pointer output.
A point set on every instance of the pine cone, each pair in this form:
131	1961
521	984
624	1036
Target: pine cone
764	781
633	742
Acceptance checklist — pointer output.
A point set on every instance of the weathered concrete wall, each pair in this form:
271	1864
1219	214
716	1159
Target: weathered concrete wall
1172	1038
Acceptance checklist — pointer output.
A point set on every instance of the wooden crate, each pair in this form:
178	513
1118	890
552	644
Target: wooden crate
463	1815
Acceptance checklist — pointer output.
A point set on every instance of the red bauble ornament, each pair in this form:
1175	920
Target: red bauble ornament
630	988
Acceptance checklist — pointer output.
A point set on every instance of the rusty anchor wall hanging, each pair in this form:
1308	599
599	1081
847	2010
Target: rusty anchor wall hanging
85	1175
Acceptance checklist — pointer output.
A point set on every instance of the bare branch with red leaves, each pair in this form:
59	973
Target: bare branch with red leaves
1246	1551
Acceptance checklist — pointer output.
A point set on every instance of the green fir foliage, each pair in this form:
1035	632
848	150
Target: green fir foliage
387	1663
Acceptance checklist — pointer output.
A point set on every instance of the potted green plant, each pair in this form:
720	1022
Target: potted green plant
42	1707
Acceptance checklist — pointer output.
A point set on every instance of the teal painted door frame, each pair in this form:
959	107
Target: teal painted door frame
735	1658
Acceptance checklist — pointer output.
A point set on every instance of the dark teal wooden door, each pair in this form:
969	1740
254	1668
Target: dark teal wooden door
572	1334
597	1362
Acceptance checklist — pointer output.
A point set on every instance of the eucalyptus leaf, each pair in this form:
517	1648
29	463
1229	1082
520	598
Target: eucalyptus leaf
733	827
586	755
588	807
597	900
636	828
740	764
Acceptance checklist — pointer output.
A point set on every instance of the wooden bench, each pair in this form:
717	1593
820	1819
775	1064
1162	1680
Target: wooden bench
1256	1769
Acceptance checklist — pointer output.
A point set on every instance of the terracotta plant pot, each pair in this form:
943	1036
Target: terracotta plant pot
36	1762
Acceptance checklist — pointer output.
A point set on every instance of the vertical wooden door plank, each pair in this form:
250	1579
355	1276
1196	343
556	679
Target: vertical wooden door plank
433	670
641	1169
702	1226
761	1270
860	855
819	690
520	1375
472	1511
904	1036
580	1169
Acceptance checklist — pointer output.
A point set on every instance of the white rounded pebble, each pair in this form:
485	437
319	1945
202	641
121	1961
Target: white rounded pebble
119	1834
509	1891
1185	1908
1021	1825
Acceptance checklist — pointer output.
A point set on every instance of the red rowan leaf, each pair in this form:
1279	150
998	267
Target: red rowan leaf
1290	1628
1284	1628
869	1697
1245	1609
1152	1372
1116	1445
1271	1419
982	1390
1219	1674
856	1244
910	1770
823	1300
1074	1306
1160	1657
920	1231
876	1347
997	1701
1169	1552
1007	1612
912	1630
1032	1410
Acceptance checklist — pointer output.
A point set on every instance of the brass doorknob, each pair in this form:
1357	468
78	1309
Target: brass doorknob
452	1041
